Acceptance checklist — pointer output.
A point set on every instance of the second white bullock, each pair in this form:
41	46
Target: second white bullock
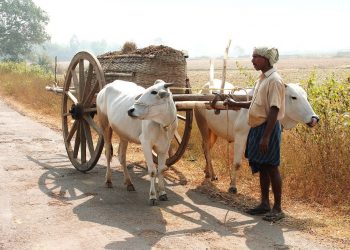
234	126
144	116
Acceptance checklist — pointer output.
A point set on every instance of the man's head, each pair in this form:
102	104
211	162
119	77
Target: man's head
264	57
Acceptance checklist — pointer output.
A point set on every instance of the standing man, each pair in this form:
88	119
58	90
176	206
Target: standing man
263	144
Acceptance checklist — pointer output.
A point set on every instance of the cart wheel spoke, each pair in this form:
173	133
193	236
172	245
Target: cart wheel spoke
90	110
77	142
72	97
92	93
82	142
88	81
178	137
75	83
93	124
72	131
87	132
181	117
81	79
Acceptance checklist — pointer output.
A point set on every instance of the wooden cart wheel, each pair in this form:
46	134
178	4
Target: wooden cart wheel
182	135
83	137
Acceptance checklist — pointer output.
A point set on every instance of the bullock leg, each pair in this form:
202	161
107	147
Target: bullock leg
123	145
161	183
152	171
238	149
208	140
212	139
107	135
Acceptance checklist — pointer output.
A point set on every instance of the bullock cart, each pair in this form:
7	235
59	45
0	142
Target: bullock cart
87	75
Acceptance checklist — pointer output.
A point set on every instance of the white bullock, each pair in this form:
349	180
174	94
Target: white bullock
211	126
144	116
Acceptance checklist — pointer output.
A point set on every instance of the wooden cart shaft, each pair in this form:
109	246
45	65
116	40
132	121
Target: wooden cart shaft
184	101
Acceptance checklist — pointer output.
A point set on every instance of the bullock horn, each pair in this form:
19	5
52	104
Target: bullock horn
169	84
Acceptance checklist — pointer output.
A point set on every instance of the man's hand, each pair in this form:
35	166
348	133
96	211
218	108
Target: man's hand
232	104
264	144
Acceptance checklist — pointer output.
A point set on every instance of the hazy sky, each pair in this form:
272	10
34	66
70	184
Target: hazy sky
203	27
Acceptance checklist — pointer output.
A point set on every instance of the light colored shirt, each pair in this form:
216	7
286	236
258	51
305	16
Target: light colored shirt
269	91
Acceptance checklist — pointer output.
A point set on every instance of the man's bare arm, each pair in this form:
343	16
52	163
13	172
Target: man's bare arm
237	105
271	121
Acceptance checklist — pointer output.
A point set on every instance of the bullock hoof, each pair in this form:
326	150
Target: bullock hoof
130	187
232	190
163	197
214	178
153	202
108	184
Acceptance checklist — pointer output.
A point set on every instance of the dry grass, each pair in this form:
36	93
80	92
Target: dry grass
26	91
316	196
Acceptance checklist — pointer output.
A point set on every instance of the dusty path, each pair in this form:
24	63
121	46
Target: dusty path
46	204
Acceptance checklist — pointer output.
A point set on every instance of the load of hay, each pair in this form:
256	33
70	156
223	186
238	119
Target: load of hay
144	66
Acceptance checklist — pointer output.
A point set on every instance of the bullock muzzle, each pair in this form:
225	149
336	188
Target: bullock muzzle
314	120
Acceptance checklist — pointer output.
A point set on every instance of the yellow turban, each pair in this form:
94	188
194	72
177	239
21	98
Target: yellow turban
269	53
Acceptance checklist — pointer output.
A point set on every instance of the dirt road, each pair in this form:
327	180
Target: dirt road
46	204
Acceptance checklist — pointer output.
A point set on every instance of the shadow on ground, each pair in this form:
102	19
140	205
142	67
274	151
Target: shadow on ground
140	223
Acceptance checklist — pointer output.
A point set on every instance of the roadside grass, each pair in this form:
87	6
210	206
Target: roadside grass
25	85
315	162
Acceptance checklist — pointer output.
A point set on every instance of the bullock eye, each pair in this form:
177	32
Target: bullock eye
153	92
294	98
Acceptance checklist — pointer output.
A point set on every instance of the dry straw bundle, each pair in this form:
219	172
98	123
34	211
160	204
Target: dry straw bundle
144	66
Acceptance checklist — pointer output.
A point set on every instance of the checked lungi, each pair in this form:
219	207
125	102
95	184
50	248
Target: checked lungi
252	153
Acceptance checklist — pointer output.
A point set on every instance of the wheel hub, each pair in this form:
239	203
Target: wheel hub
77	111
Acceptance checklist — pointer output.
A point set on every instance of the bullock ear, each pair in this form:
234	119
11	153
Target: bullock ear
167	85
163	93
137	97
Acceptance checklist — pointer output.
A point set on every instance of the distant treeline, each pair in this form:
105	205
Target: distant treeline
65	52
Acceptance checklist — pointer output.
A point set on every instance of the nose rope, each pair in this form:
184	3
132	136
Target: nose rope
167	126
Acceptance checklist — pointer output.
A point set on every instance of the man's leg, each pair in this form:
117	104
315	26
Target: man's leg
264	186
264	205
276	182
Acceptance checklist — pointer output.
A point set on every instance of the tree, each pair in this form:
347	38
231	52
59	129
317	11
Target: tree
22	25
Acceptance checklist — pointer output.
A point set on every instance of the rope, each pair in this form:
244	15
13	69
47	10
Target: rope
228	144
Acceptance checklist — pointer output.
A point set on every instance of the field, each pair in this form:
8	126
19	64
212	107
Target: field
314	162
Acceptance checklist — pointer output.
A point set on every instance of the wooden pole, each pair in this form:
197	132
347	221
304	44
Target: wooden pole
186	105
56	70
224	67
207	97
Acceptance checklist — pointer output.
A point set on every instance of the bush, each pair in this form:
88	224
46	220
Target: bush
24	68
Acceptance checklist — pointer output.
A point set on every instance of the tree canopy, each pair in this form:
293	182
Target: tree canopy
22	25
